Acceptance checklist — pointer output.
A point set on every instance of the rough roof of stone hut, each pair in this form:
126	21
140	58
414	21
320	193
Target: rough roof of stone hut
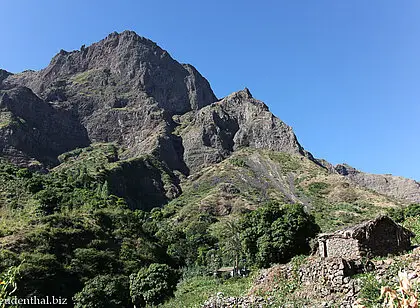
363	230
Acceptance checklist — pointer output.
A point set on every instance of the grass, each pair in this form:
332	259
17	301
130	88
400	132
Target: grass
413	224
288	162
319	188
332	216
193	292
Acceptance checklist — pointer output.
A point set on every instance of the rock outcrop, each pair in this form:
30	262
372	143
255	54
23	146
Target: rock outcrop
237	121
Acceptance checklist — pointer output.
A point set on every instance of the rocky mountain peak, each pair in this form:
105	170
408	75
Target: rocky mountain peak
242	94
121	63
121	53
243	99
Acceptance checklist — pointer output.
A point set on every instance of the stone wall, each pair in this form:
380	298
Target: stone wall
330	279
347	248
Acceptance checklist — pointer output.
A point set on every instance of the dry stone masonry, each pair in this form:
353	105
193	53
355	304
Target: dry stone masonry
377	237
330	279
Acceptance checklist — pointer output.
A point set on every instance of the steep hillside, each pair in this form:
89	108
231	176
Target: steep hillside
251	177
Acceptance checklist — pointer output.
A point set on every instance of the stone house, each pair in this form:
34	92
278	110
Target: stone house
225	271
376	237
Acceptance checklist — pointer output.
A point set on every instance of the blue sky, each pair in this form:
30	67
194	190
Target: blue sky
344	74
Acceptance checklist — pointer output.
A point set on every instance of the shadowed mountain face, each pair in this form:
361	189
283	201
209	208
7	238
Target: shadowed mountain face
127	91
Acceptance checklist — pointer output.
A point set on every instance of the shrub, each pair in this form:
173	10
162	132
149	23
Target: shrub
89	262
412	210
400	214
371	290
397	214
238	162
24	173
275	233
104	291
152	285
49	200
319	188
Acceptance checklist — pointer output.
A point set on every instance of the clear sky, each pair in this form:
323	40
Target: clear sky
344	74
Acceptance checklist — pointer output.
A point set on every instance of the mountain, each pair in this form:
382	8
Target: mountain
127	90
116	160
123	89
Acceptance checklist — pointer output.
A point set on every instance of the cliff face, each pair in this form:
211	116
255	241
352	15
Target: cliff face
214	132
31	129
123	89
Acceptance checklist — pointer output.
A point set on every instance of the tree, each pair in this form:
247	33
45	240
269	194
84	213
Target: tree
275	233
90	262
229	239
152	285
104	291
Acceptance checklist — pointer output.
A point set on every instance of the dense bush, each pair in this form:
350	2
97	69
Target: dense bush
412	210
104	291
274	233
152	285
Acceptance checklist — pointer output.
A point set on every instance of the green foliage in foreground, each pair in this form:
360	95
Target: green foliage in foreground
78	241
8	284
152	285
371	290
104	291
275	233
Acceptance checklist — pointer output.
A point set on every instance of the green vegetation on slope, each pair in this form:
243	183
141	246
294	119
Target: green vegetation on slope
80	241
118	232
